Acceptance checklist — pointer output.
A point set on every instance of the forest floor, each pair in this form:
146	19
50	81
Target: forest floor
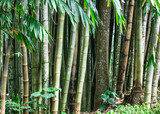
122	101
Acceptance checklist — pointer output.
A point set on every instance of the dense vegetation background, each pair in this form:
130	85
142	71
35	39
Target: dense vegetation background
72	56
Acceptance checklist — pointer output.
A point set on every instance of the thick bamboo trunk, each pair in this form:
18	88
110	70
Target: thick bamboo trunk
81	77
137	90
125	51
57	62
150	70
139	56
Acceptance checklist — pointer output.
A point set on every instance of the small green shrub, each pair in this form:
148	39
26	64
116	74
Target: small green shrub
108	98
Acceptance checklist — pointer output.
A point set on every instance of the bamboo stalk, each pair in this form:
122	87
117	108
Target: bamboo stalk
82	70
57	62
125	52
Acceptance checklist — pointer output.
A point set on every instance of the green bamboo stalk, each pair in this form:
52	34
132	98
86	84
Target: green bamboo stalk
156	74
82	70
125	51
45	56
57	61
69	67
139	57
150	70
4	80
89	77
73	83
117	48
83	104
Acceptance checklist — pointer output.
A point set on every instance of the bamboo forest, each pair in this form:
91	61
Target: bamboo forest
79	56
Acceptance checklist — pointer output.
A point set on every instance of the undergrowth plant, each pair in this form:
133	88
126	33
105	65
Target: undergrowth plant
14	104
109	98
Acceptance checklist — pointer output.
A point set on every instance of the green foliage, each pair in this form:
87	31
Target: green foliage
51	89
118	12
136	109
151	61
15	105
48	95
109	99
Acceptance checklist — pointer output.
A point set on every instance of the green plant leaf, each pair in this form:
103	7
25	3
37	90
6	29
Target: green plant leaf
31	110
47	96
51	89
25	107
41	106
105	97
111	101
102	107
31	102
36	94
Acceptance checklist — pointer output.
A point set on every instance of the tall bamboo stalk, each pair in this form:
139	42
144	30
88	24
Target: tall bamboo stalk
139	49
5	69
73	83
57	61
25	66
45	56
150	70
89	77
69	66
156	74
4	80
25	75
82	70
117	48
126	45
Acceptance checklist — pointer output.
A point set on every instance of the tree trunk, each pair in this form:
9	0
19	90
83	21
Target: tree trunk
102	58
126	45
